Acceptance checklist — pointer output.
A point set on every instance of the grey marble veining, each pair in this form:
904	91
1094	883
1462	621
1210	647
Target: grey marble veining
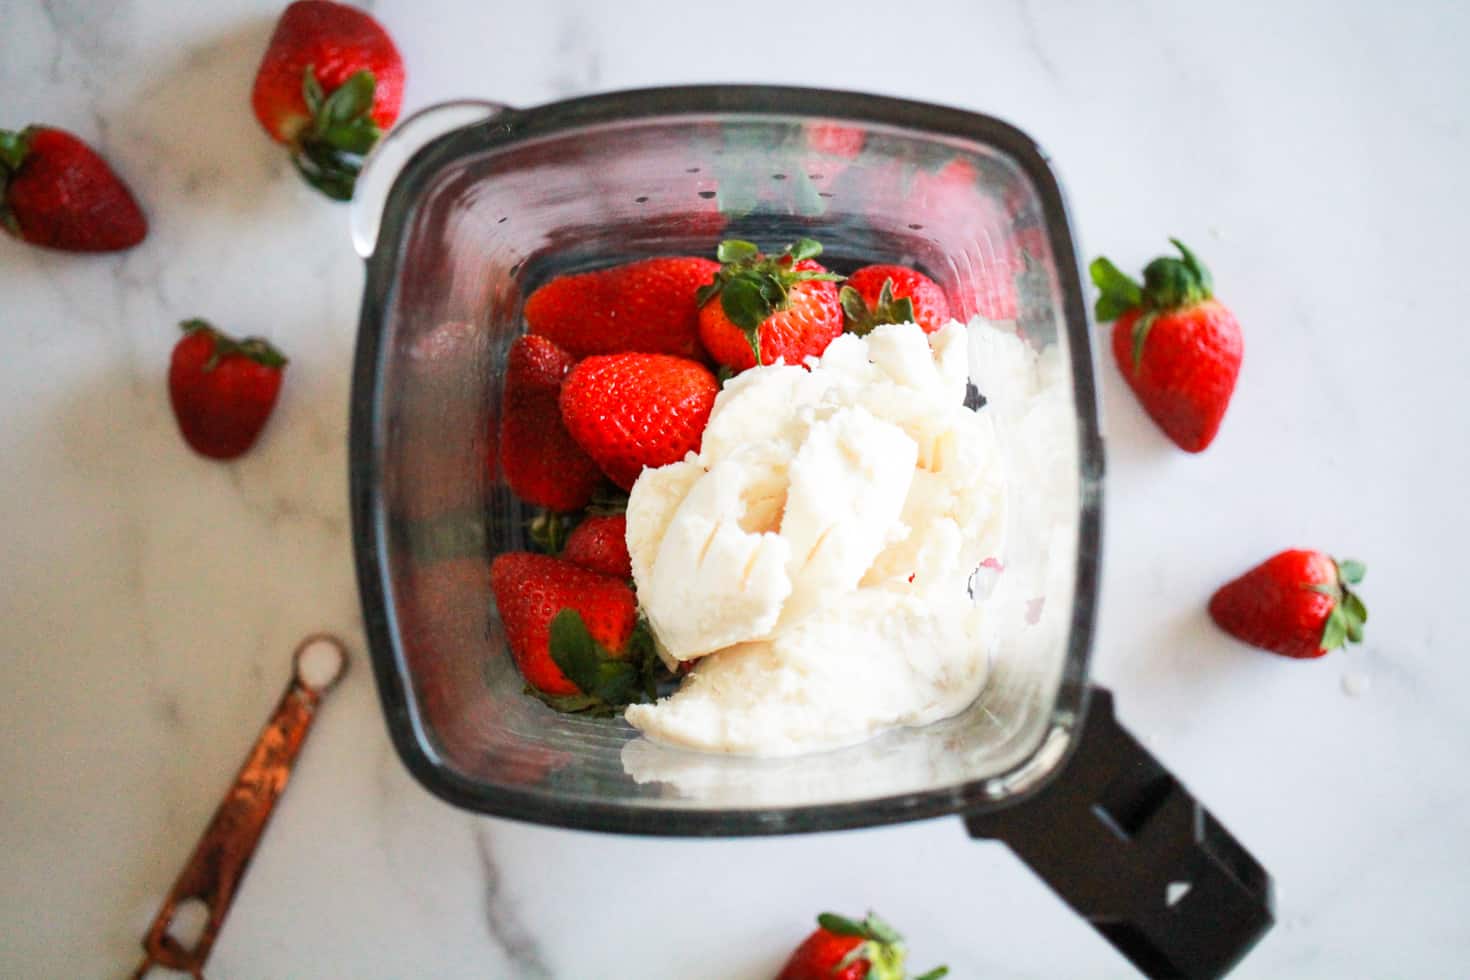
1313	152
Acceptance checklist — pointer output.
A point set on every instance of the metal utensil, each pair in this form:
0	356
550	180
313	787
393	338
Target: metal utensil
221	857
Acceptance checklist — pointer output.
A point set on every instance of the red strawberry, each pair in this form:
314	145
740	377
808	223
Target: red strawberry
892	294
542	463
601	544
769	308
842	949
832	148
645	306
635	410
835	139
330	84
57	192
1296	603
1178	348
222	389
534	592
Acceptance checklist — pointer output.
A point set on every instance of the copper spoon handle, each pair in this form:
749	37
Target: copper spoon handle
223	853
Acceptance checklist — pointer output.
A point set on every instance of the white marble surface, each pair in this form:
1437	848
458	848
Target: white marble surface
1315	153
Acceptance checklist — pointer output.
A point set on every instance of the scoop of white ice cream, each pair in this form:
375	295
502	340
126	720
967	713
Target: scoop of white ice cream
816	552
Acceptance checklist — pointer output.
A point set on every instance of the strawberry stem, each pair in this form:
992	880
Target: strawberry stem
607	680
1168	284
257	349
861	319
1349	615
330	153
752	287
14	148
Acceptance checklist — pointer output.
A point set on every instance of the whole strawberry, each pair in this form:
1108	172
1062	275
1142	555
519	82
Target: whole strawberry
647	306
222	389
769	308
877	294
570	630
329	86
629	411
1296	603
1177	346
842	949
57	192
541	462
601	543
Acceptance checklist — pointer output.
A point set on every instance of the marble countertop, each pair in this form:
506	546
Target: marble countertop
1313	152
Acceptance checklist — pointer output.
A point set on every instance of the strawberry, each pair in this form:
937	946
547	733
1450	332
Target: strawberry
769	308
1178	347
892	294
601	543
1296	603
842	949
570	630
645	306
541	462
57	192
831	149
329	86
222	389
629	411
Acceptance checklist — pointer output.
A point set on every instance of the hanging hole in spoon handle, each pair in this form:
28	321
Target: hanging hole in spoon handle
221	857
381	168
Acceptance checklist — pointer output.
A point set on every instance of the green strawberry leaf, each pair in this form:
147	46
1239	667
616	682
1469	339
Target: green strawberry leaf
576	652
840	925
935	974
14	147
311	91
1196	268
746	302
733	250
1351	571
261	351
358	136
1169	283
1353	605
804	248
1336	630
861	319
1354	630
352	99
1118	293
880	930
257	349
1141	328
854	307
587	663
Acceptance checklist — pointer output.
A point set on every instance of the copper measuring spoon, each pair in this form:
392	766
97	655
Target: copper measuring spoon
223	853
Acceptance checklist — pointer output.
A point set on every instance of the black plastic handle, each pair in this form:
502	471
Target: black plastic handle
1123	843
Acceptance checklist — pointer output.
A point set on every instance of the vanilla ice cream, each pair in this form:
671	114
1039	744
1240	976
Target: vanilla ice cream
815	556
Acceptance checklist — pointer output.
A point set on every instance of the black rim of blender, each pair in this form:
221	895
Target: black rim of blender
413	744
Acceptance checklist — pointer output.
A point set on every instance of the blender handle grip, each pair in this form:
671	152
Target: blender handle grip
1130	850
382	165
